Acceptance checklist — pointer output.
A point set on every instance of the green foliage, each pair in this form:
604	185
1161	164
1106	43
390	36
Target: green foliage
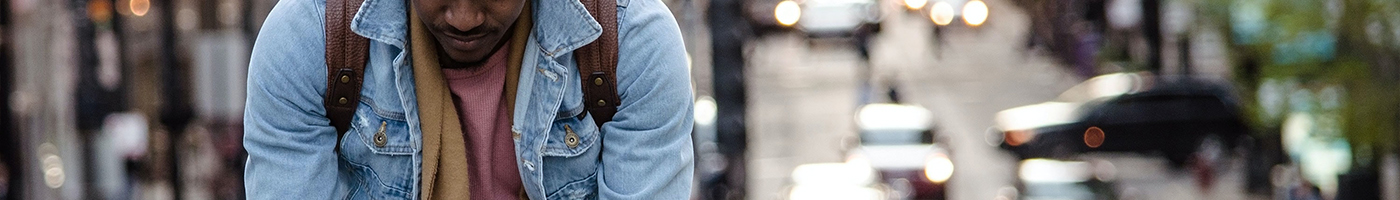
1320	43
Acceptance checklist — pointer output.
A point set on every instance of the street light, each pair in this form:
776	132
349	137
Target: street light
941	14
787	13
975	13
915	4
139	7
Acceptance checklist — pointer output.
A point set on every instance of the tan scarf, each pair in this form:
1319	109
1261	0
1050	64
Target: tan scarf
444	150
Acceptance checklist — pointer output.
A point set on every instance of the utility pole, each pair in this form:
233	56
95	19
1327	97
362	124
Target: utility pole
9	134
728	31
176	111
1152	29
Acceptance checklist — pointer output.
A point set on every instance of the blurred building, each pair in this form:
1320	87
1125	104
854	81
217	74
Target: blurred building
96	83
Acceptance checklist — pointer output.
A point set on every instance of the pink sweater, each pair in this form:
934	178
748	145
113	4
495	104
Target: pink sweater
476	92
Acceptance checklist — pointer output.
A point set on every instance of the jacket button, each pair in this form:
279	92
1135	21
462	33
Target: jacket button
343	100
344	79
379	138
602	102
570	138
598	81
515	134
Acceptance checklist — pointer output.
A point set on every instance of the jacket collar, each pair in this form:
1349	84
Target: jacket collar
383	21
563	25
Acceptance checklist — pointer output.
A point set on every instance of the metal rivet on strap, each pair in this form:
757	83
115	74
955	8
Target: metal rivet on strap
379	138
598	81
570	138
344	79
343	100
602	102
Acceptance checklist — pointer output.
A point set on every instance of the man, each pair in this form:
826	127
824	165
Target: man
469	99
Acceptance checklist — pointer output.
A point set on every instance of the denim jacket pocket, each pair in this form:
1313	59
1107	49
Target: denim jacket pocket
572	153
586	188
378	149
571	137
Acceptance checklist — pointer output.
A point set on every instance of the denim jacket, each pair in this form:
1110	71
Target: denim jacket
645	152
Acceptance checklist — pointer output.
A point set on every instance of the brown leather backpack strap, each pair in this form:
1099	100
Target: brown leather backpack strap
597	63
346	54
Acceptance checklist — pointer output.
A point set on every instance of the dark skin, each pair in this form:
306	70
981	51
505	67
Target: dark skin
468	31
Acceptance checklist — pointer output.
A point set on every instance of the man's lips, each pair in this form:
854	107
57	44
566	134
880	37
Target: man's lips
464	41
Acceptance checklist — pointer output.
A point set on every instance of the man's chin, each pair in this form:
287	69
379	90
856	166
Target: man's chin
464	58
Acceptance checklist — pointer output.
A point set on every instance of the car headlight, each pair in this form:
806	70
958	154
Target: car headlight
915	4
787	13
941	14
938	168
975	12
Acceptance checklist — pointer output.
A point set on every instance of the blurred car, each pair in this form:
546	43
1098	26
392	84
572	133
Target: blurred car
1059	179
816	18
772	15
897	141
942	13
834	181
830	18
1127	112
947	14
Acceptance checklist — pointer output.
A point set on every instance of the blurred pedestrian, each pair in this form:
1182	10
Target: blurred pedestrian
477	99
4	178
863	34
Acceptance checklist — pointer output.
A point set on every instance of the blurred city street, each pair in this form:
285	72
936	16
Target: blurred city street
794	99
804	97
